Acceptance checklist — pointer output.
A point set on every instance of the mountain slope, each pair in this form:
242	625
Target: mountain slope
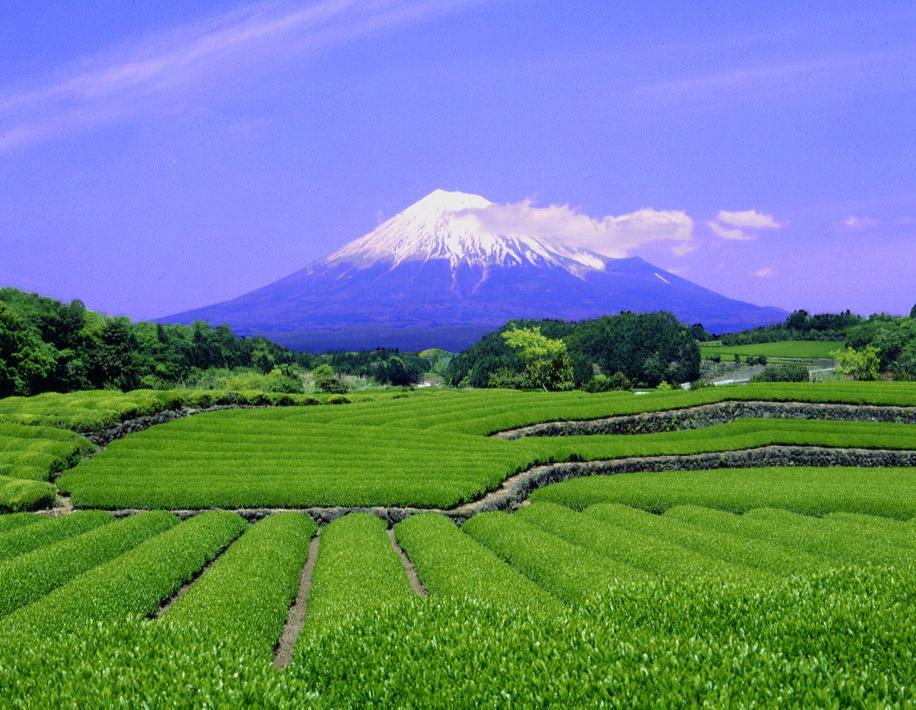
432	276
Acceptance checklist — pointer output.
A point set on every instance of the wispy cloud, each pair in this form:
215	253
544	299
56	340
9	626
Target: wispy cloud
611	236
876	70
732	233
150	74
735	225
748	218
764	273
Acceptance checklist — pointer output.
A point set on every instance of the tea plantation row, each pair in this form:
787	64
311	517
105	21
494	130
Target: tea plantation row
547	605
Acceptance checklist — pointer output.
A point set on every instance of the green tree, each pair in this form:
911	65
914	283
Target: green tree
861	364
547	363
327	380
25	362
913	311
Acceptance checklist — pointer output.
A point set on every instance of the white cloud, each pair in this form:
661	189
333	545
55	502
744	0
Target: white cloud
735	225
855	224
764	273
611	236
728	232
158	73
748	218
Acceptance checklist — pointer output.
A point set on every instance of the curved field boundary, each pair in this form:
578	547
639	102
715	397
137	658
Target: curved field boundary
104	437
706	415
515	490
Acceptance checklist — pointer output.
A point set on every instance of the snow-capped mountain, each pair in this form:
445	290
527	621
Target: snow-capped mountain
435	276
446	225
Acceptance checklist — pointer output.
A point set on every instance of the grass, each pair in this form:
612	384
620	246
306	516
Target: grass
788	349
887	492
653	556
571	573
583	597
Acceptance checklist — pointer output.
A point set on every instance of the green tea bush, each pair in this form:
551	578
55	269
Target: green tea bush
48	531
357	573
33	575
245	596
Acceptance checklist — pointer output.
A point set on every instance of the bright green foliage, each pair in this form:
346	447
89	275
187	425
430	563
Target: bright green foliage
902	535
453	564
358	573
886	491
655	556
94	410
246	595
811	639
135	583
794	349
547	364
763	556
19	495
816	536
12	521
48	531
740	434
864	364
392	452
33	575
35	452
571	573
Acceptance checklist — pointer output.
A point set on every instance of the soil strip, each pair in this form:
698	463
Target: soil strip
297	612
409	569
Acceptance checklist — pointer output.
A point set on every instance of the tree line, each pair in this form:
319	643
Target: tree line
613	352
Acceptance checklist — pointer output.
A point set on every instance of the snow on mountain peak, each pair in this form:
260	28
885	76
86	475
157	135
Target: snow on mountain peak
445	225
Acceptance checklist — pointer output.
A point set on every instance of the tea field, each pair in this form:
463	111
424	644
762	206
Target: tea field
152	582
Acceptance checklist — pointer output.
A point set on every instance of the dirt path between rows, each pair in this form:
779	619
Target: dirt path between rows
297	612
409	568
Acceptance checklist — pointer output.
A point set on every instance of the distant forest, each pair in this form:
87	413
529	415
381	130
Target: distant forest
46	345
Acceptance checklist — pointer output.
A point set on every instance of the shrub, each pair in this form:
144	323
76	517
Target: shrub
327	380
603	383
861	364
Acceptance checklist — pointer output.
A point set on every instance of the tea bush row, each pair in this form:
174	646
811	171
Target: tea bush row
246	594
134	583
357	573
31	576
887	492
48	531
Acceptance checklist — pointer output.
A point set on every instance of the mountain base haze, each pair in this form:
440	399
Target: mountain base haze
434	276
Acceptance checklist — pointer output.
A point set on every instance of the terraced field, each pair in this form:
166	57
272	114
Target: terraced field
784	349
432	450
693	575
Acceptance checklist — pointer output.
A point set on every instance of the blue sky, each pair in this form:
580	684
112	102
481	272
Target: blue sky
154	159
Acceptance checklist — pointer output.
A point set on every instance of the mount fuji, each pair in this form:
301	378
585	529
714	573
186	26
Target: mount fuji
435	276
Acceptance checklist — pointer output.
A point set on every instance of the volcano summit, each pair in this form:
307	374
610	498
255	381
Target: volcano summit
435	276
